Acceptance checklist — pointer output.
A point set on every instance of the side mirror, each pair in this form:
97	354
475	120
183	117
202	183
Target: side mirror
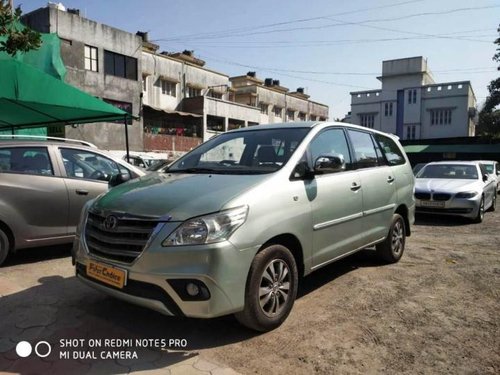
329	164
118	179
485	177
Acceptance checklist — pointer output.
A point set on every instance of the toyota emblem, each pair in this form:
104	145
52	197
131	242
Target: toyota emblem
110	222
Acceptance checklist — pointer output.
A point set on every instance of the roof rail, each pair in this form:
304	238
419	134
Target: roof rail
46	138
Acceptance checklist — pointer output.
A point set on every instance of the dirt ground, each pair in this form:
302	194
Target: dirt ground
436	311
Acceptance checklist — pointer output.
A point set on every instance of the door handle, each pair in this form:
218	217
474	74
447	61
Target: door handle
390	179
81	192
355	186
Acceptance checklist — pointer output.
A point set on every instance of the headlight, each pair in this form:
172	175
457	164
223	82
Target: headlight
208	229
466	194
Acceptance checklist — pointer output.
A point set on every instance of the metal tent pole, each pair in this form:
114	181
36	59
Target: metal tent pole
126	139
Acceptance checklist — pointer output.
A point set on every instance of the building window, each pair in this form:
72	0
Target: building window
290	115
312	118
215	94
91	58
302	116
411	132
277	111
388	109
264	108
367	120
412	96
193	91
168	88
120	65
440	116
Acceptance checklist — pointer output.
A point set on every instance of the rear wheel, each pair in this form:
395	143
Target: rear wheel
391	250
4	246
271	289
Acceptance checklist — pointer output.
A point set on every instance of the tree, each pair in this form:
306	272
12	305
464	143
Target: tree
489	117
18	38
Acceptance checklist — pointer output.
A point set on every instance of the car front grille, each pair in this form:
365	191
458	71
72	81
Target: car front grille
435	196
423	196
116	237
441	196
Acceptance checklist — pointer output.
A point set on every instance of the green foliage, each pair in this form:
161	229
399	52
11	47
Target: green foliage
18	39
489	117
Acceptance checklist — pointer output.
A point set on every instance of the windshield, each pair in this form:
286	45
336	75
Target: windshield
243	152
449	171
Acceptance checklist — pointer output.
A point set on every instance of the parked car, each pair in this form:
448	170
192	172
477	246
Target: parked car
493	169
461	188
44	185
159	164
418	167
143	160
232	225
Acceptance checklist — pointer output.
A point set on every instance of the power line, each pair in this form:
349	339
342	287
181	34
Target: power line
235	33
320	43
249	28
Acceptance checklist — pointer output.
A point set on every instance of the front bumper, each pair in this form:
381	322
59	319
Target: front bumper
221	267
467	208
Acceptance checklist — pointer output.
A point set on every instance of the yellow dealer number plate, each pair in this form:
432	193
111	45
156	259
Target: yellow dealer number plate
107	274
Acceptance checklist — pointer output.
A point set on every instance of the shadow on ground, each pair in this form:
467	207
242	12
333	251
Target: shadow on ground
441	220
37	254
64	308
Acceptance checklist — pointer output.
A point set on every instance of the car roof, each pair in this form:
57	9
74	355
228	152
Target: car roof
455	162
309	124
27	142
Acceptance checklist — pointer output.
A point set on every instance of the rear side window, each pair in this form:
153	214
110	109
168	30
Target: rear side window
27	160
365	155
88	165
392	152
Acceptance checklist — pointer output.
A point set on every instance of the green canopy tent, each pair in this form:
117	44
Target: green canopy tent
30	98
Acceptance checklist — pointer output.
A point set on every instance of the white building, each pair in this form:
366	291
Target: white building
412	106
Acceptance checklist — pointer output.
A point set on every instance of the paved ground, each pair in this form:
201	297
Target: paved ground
434	312
41	300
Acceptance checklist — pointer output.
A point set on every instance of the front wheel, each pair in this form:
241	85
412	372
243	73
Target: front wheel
392	248
4	246
480	212
493	206
271	289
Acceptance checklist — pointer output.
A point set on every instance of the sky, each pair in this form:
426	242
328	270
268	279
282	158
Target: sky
329	47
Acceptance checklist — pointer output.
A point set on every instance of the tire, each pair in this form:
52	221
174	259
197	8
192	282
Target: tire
480	212
392	248
272	271
4	246
493	206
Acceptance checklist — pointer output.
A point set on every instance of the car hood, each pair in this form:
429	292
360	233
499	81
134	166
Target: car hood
446	185
175	196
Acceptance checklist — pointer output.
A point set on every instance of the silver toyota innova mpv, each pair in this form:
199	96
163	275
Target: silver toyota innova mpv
232	225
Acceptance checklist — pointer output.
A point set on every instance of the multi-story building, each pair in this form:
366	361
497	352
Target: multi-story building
184	103
179	102
275	102
412	106
102	61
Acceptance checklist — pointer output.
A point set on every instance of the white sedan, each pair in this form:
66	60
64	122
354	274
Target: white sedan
461	188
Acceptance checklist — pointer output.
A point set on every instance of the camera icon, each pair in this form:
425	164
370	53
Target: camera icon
42	349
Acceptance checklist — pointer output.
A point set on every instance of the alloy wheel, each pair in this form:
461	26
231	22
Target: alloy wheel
274	287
